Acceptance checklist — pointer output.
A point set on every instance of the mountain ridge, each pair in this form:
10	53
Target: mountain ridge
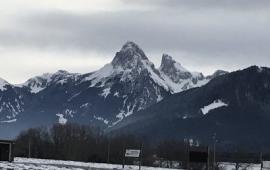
233	106
126	85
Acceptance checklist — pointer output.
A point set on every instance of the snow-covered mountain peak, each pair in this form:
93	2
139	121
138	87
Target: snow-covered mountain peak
133	48
131	56
168	62
62	72
130	64
173	69
39	83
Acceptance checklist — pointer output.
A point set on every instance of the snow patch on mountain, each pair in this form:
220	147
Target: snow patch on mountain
116	94
101	119
85	105
102	75
69	112
61	119
216	104
10	109
3	83
120	116
8	121
157	78
106	92
260	69
36	89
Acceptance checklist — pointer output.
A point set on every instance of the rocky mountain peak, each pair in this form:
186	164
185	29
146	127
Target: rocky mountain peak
62	72
130	56
173	69
217	73
220	72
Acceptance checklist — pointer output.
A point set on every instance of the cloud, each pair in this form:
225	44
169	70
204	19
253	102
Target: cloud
239	5
204	35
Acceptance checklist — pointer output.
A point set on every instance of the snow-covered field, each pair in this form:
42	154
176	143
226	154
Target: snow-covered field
243	166
42	164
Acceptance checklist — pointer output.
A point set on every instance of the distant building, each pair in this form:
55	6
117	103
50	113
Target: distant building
6	150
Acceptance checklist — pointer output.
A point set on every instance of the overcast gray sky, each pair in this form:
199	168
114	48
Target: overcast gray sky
39	36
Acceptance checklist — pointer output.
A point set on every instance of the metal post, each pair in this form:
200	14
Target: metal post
214	156
208	156
261	160
123	165
214	152
29	148
10	153
187	145
109	149
141	152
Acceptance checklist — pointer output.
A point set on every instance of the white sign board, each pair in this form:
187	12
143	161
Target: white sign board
266	164
132	153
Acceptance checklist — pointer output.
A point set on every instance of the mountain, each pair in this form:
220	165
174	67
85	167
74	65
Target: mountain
178	78
127	85
234	106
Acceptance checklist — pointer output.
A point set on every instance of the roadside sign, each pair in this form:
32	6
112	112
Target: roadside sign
132	153
266	164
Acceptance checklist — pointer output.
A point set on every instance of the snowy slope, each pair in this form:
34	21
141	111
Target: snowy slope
39	83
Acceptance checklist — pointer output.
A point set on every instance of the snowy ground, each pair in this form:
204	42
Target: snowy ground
243	166
41	164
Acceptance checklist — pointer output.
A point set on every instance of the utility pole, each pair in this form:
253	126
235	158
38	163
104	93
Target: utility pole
109	149
141	152
208	158
261	160
123	165
188	151
29	148
214	152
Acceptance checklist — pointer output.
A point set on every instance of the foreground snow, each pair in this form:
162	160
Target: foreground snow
242	166
42	164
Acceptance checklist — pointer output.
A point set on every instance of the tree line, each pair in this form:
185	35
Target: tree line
90	144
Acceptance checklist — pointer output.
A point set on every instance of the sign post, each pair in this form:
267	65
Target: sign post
141	156
123	165
133	153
